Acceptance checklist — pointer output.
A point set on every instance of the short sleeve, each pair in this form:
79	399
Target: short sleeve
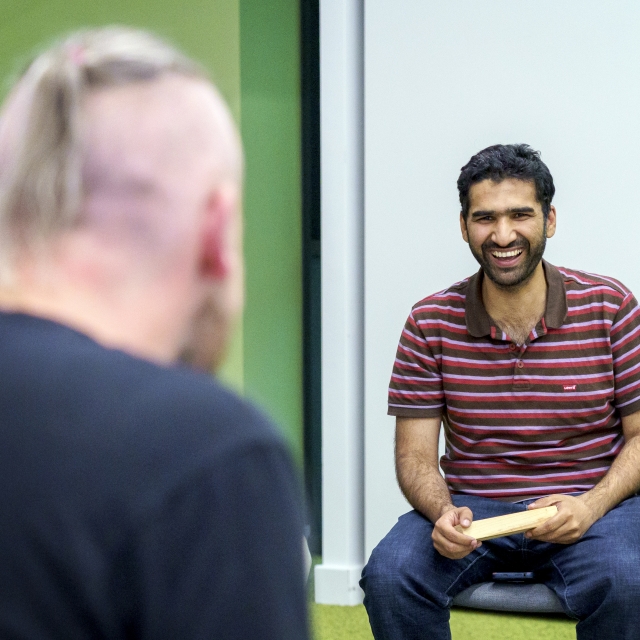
625	349
415	390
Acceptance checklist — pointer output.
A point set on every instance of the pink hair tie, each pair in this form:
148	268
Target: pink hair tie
76	54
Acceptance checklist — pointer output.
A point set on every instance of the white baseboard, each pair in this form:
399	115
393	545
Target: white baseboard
338	584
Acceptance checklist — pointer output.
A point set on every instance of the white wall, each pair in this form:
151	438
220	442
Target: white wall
342	130
446	79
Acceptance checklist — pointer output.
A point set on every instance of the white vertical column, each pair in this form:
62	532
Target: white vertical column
342	157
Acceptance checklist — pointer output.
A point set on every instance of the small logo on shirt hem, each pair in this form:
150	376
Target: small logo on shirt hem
570	387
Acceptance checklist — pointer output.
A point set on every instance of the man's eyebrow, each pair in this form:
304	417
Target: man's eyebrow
480	213
521	210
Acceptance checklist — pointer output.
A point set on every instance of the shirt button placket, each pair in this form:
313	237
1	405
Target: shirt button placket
519	383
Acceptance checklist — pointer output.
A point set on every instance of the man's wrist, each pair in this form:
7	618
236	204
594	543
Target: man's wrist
444	508
595	503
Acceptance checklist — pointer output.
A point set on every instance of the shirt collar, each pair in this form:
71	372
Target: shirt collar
479	322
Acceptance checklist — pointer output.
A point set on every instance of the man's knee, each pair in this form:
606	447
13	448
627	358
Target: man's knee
386	570
621	585
613	584
399	559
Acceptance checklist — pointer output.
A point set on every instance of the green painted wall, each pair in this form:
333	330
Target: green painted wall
270	90
208	30
251	49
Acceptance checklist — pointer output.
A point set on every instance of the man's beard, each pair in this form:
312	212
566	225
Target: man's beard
206	343
515	276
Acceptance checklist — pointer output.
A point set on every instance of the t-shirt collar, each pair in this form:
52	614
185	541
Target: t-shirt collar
479	322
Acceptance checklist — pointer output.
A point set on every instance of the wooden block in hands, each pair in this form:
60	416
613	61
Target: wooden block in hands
509	524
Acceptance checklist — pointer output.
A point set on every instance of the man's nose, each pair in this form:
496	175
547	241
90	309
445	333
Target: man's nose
504	232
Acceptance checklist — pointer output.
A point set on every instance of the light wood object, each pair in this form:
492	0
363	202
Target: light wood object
509	524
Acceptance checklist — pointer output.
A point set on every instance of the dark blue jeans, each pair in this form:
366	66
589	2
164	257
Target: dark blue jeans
409	586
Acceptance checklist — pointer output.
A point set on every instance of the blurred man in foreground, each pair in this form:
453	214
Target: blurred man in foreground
139	498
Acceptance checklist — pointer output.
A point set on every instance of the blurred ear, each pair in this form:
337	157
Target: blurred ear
218	246
551	222
463	229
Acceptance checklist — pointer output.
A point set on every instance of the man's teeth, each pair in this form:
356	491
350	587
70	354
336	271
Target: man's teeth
507	254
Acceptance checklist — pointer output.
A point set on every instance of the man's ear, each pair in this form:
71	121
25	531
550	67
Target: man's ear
463	228
218	230
551	222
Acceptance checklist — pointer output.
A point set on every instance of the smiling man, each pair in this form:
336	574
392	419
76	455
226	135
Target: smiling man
534	371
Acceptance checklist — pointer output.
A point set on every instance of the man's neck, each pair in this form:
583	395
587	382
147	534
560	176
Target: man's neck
517	309
132	319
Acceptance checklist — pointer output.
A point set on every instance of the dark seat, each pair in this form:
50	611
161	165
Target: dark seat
510	596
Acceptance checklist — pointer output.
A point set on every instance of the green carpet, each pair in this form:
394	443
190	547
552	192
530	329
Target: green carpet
351	623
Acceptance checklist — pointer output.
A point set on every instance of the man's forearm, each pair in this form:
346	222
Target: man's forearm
417	466
621	481
423	486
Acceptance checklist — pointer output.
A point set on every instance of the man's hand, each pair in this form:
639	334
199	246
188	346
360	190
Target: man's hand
572	521
576	514
448	541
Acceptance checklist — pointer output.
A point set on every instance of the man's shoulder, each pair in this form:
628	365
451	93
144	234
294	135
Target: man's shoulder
157	414
182	412
447	300
594	283
208	409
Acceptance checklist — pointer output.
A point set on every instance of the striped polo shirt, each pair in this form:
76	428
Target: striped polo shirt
530	420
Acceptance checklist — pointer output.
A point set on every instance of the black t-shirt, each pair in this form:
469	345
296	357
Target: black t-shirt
138	501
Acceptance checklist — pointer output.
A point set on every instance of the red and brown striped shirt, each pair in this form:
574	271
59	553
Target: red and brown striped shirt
530	420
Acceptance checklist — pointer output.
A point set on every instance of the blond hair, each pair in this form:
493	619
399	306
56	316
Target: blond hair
40	127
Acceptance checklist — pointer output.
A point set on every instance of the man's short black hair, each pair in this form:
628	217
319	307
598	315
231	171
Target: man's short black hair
502	161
